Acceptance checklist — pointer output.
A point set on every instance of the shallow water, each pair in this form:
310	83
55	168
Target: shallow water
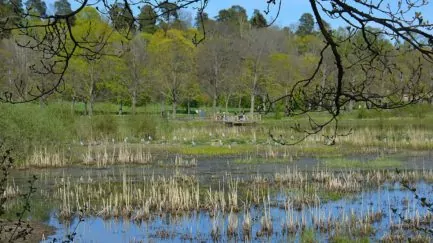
197	226
211	168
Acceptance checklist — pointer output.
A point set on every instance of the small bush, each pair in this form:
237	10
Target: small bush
140	127
104	126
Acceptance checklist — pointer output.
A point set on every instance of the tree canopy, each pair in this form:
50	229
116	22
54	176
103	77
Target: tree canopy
363	61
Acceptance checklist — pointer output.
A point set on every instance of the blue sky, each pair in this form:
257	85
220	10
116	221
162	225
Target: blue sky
291	10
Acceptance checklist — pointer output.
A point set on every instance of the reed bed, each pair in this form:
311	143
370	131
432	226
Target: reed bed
296	192
42	157
11	190
108	154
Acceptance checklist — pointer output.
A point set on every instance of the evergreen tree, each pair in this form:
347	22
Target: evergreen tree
63	7
147	19
258	20
37	7
233	15
306	25
121	17
10	14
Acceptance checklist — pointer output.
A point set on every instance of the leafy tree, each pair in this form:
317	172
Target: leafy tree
232	14
147	19
64	7
87	70
169	11
218	61
306	25
256	47
236	17
258	20
121	18
172	54
134	67
10	15
38	7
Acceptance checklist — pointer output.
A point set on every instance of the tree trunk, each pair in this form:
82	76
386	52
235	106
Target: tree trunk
227	102
253	97
91	92
134	101
240	102
162	108
189	107
86	111
42	101
120	108
174	109
73	106
91	101
214	103
253	93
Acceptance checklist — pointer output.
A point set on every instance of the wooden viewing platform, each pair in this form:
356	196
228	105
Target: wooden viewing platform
239	123
238	120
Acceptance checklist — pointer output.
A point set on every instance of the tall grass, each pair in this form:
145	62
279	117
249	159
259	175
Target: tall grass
27	126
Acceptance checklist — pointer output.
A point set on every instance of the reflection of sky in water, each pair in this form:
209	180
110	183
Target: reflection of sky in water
199	225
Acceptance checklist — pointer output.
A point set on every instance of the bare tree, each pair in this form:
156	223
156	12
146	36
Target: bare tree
398	21
217	60
54	37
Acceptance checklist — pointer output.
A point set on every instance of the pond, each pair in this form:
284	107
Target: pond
376	205
220	200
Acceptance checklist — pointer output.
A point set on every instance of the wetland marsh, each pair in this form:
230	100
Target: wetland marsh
195	180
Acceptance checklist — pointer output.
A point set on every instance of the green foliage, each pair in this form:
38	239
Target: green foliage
141	126
347	239
25	125
258	20
415	111
232	15
306	25
38	7
279	110
308	236
104	126
147	19
63	7
121	17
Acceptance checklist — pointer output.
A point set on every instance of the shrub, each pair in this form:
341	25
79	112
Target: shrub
104	126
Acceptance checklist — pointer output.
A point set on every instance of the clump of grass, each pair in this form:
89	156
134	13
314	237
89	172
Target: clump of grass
232	227
215	228
43	157
308	236
266	228
181	162
377	163
246	225
10	190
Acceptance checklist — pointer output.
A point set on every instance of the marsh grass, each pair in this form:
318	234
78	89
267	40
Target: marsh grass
378	163
146	198
29	126
43	157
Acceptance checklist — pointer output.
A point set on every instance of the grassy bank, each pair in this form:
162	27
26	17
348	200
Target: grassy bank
56	130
